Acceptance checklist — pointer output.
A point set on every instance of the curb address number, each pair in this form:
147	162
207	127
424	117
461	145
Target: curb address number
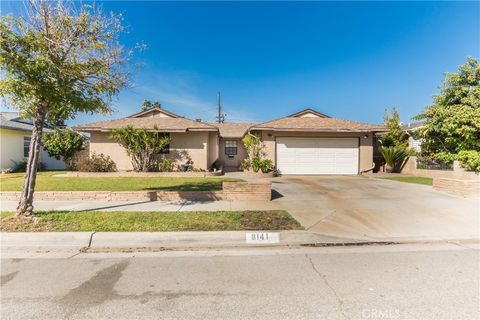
262	237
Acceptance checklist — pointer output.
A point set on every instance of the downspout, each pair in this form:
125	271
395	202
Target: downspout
369	169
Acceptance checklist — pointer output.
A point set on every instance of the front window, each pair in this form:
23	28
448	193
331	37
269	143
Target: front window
26	146
230	147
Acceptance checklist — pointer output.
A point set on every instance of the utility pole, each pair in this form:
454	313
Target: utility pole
221	116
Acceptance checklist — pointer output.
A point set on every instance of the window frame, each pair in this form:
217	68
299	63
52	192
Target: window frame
234	148
26	147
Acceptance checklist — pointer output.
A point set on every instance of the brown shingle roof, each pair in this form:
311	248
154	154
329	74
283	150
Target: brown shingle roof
232	130
163	124
316	124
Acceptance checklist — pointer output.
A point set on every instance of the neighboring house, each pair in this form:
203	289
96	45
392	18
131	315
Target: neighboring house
307	142
15	135
410	128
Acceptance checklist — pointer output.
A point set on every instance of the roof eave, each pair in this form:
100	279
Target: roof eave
315	129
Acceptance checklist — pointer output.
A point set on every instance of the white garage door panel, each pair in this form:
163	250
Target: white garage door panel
317	155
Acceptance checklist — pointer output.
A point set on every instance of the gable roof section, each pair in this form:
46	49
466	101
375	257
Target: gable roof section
232	130
154	111
163	124
317	124
309	112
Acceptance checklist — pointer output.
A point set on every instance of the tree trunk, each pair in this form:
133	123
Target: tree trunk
25	205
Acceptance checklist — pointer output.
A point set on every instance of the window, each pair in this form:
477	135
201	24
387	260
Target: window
230	148
26	146
166	149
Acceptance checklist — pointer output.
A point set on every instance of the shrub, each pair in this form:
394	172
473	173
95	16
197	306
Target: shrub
245	165
395	157
22	166
63	143
470	160
167	165
142	145
256	164
96	163
266	165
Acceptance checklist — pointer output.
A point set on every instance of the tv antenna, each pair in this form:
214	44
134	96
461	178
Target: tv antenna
221	116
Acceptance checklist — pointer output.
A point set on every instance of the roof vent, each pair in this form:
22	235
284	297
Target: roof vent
198	120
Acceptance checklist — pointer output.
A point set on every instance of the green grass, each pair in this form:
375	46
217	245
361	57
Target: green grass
152	221
418	180
46	181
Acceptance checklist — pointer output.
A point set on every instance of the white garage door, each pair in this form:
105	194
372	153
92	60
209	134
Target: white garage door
317	155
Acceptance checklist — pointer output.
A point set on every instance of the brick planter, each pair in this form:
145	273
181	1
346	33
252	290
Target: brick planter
256	191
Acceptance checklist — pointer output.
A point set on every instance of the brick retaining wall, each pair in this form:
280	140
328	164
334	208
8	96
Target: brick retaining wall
119	196
464	188
231	191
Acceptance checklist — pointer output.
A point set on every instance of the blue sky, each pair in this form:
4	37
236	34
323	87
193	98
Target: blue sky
346	59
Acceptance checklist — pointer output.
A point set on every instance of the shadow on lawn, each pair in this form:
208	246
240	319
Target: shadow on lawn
194	186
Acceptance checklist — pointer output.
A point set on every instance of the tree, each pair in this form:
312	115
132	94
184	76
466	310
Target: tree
147	104
452	122
142	145
58	59
63	143
395	137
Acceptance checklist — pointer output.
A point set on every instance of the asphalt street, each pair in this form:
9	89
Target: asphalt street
414	281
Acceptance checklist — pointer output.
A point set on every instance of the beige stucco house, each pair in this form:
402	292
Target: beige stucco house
307	142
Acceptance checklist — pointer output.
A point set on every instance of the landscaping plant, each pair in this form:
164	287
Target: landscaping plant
63	144
395	157
142	145
395	137
255	155
59	58
469	160
96	163
167	165
452	123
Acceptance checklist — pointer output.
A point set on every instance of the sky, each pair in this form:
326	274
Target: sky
349	60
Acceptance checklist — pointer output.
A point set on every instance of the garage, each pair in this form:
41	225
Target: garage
303	155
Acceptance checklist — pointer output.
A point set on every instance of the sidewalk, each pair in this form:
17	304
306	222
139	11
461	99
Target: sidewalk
184	205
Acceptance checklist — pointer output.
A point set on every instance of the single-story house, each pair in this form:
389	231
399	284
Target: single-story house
15	135
307	142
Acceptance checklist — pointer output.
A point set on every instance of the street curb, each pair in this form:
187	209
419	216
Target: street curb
161	241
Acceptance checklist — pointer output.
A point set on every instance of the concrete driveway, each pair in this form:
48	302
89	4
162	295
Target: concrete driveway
364	207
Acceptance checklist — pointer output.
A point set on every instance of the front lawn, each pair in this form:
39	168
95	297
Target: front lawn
46	181
418	180
152	221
